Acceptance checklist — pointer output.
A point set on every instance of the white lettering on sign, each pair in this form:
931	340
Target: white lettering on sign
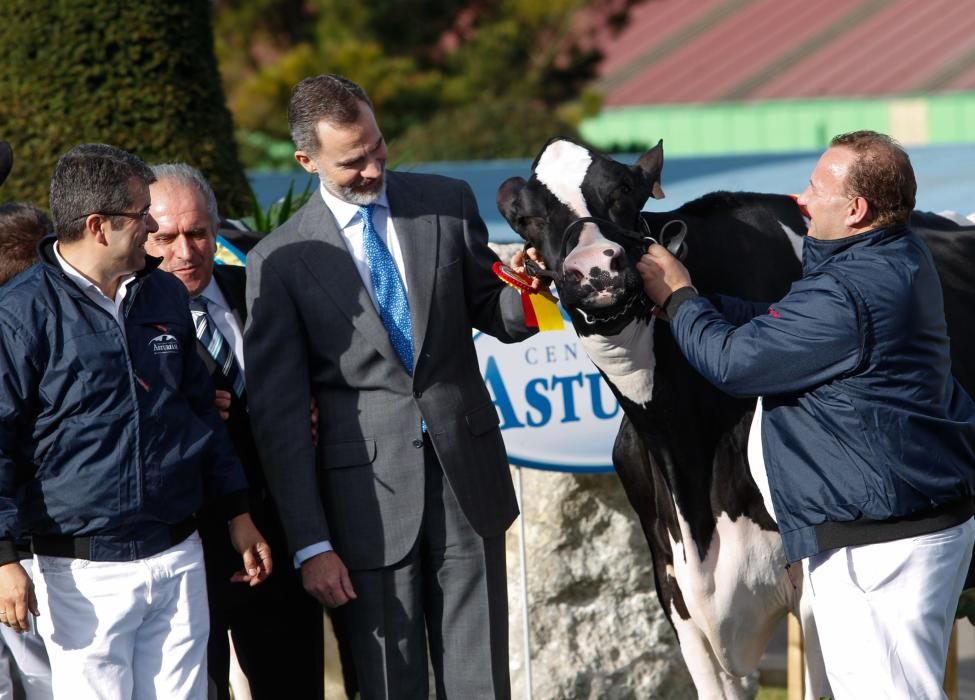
556	411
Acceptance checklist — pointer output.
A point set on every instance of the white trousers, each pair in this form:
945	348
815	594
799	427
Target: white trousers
126	630
884	612
29	661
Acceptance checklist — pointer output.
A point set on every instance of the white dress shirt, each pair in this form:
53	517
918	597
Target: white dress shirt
349	221
224	319
91	290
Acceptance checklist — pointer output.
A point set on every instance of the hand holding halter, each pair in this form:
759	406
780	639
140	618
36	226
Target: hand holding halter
540	307
675	245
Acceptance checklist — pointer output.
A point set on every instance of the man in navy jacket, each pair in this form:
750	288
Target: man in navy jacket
109	445
867	439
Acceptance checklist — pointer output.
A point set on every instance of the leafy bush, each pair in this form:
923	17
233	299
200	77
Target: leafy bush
266	220
264	152
138	74
450	79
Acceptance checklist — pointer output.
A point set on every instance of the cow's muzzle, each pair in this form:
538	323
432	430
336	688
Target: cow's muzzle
675	244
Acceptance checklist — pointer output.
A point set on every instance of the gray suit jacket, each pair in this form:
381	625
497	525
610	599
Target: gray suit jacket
313	331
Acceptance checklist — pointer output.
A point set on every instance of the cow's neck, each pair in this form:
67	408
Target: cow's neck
680	417
626	360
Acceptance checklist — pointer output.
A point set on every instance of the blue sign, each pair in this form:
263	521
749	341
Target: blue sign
556	411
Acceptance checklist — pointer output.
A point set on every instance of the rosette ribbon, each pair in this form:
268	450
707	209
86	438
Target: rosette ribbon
541	307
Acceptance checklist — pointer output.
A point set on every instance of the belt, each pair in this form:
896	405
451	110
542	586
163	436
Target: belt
82	547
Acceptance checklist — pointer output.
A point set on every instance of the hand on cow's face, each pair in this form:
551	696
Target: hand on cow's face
662	274
518	265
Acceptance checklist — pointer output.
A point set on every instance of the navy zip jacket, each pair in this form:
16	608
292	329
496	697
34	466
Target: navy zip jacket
102	438
866	434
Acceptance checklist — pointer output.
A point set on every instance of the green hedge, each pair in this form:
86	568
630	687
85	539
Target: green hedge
140	75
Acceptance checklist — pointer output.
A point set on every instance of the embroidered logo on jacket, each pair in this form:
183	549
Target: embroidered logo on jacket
164	344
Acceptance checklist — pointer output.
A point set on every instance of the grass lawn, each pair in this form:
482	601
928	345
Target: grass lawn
770	693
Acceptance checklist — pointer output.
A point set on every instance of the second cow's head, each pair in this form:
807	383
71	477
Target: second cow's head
592	261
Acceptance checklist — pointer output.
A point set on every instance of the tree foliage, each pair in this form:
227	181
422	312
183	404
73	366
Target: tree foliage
138	74
449	78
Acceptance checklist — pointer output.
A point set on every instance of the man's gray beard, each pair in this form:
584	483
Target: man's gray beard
353	196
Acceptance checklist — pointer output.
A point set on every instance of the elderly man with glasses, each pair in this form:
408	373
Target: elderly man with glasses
109	444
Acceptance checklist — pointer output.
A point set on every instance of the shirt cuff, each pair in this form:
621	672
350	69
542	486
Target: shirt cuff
677	298
312	550
8	551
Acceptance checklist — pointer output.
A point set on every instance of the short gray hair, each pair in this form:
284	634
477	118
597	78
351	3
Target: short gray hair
188	176
93	178
331	97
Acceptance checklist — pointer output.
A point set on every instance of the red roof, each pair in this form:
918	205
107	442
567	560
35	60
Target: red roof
682	51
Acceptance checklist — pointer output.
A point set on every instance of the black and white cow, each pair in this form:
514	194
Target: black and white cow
682	450
953	249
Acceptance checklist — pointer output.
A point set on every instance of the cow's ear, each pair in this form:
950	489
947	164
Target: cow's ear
649	166
507	195
531	228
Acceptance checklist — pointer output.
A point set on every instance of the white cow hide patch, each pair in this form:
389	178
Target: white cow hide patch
738	592
756	459
562	168
627	359
795	240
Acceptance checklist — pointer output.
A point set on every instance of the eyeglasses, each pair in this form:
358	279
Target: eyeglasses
144	214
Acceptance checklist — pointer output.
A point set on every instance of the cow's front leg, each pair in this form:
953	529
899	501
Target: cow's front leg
711	681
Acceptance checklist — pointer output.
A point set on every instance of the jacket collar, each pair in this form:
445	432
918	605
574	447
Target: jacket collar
816	251
45	252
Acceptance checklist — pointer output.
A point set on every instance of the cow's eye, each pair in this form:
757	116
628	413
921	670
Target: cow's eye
530	222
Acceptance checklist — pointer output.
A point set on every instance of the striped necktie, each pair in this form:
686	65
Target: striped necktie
394	307
217	346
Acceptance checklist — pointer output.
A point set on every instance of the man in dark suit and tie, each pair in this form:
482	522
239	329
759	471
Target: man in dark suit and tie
276	628
367	296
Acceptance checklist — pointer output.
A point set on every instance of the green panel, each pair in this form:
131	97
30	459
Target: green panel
773	126
951	118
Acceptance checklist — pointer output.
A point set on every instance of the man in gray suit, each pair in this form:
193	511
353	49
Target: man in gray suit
367	298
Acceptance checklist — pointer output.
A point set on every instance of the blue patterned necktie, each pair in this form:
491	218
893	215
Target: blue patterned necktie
394	308
218	347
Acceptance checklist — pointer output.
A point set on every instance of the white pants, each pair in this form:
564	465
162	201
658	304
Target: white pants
884	612
126	629
29	661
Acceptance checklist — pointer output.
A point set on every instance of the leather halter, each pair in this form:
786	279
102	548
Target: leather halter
677	247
